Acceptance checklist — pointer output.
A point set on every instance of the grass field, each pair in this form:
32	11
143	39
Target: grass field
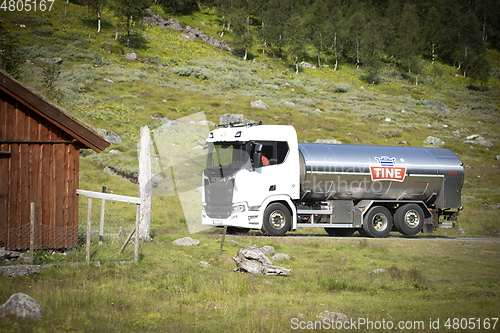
168	291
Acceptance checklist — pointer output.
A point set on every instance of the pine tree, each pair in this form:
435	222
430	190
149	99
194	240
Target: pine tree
408	39
318	19
470	41
130	11
335	33
279	13
10	56
241	25
357	23
296	32
479	70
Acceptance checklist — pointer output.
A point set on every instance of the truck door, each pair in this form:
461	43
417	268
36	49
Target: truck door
272	175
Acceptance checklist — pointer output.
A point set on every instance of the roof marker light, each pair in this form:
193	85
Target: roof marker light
238	134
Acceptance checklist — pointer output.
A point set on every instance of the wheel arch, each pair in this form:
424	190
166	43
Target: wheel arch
287	202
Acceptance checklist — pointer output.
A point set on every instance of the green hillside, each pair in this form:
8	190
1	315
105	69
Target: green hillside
174	77
425	284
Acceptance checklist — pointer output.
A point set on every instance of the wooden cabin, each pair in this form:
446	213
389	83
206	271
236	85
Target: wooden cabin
39	162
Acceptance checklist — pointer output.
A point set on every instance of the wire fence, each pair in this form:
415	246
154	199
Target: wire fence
104	233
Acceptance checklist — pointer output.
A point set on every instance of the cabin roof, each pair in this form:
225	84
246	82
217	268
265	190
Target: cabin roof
83	133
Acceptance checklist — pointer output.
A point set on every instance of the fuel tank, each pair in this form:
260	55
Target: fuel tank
351	172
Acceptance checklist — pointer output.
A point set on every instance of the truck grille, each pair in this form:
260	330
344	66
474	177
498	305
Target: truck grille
219	198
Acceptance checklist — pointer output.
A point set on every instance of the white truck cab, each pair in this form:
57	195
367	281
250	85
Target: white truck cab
249	169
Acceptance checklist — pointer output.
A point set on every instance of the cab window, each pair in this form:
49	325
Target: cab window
274	151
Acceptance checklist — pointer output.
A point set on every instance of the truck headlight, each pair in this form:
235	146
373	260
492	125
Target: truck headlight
238	208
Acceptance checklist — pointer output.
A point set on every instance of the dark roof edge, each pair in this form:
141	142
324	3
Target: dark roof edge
84	133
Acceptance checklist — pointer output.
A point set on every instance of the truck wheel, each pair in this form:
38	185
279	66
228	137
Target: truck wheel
378	222
277	220
409	219
340	232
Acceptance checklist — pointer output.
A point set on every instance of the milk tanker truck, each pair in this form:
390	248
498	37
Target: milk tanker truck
259	177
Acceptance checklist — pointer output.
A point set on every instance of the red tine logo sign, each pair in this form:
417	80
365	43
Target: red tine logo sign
387	171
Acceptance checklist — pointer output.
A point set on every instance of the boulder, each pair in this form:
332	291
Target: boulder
111	137
268	250
329	141
19	270
332	316
440	107
280	257
52	61
289	104
378	270
174	24
259	105
254	253
186	241
306	65
497	158
478	140
252	260
462	232
232	118
188	37
22	306
204	264
434	141
255	267
131	56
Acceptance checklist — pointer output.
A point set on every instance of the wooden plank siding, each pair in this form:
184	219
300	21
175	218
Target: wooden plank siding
41	166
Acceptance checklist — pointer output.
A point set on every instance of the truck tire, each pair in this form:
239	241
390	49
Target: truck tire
377	222
409	219
277	220
340	232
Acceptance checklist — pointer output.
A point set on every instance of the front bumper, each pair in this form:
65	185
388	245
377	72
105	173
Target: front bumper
240	217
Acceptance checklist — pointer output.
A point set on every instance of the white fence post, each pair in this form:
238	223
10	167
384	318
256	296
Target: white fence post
32	231
145	184
103	209
89	225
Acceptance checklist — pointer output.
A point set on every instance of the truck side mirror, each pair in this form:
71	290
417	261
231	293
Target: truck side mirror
257	155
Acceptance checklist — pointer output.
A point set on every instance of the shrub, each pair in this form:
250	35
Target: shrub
389	132
194	71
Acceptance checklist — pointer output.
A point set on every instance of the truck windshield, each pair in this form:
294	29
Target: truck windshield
227	155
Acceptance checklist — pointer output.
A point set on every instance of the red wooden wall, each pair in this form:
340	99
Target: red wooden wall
39	163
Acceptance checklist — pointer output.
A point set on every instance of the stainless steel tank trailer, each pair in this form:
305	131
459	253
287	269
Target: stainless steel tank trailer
260	177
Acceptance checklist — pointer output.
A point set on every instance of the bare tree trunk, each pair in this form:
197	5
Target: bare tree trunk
280	47
433	54
335	50
116	32
357	53
65	7
484	28
296	65
99	19
319	59
128	32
